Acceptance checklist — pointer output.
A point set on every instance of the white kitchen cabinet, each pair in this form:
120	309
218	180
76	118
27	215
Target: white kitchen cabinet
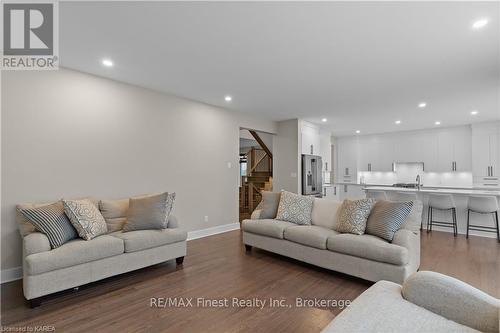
427	150
376	153
347	159
310	137
367	149
455	148
332	192
351	192
325	150
485	151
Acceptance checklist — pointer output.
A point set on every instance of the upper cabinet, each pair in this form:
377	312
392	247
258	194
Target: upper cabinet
325	150
441	150
310	137
376	153
455	149
347	159
485	152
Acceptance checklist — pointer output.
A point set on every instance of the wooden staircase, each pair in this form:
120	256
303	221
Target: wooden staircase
250	191
259	178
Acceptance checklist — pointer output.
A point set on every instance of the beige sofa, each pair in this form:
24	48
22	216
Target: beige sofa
365	256
426	302
79	262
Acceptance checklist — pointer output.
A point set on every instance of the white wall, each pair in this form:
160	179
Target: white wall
66	134
286	157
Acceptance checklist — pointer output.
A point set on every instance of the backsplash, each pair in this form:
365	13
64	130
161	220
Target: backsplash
407	173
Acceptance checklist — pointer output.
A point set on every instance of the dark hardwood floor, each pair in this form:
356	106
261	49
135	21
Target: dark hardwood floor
217	267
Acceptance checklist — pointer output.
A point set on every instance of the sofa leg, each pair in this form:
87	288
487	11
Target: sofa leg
179	260
35	302
248	248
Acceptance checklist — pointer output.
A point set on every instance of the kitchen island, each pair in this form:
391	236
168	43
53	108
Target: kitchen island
460	196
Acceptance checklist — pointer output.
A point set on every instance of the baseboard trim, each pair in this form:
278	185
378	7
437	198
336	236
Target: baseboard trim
192	235
11	274
16	273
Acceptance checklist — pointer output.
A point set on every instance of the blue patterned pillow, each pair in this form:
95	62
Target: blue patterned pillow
295	208
353	216
86	218
51	221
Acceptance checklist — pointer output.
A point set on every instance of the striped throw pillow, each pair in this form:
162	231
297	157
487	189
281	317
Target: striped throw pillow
51	221
387	217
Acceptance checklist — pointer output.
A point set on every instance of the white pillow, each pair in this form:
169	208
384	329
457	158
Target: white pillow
324	212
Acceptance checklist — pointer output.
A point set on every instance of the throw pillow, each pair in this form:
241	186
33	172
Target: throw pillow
115	213
86	218
149	212
387	217
51	220
269	205
295	208
325	212
414	219
353	215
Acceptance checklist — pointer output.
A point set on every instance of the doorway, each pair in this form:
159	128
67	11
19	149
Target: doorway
256	170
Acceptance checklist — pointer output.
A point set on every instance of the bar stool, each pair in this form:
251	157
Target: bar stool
442	202
483	205
377	195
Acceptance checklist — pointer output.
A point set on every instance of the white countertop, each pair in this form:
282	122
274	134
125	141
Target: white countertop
435	190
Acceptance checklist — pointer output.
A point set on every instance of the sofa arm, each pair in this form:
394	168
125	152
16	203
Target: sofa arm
453	299
172	222
256	214
35	242
411	241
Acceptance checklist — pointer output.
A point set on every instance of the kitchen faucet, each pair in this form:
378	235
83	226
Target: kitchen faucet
418	182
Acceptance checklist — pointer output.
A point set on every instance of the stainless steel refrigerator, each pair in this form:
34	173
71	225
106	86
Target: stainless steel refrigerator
312	180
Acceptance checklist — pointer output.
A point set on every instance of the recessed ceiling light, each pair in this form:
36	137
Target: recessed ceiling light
324	120
397	122
422	105
107	63
358	131
437	123
228	98
474	112
479	24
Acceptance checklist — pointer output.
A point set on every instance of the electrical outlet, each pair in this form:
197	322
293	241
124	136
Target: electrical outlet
206	218
229	165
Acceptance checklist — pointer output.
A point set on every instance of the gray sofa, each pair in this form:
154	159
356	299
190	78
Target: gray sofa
426	302
365	256
79	262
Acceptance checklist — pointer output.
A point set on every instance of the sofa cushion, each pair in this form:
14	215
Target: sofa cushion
52	221
368	247
74	252
270	228
387	217
268	206
353	216
146	239
114	212
309	235
295	208
146	213
325	212
86	218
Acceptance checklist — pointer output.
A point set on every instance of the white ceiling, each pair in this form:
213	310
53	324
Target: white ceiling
362	65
